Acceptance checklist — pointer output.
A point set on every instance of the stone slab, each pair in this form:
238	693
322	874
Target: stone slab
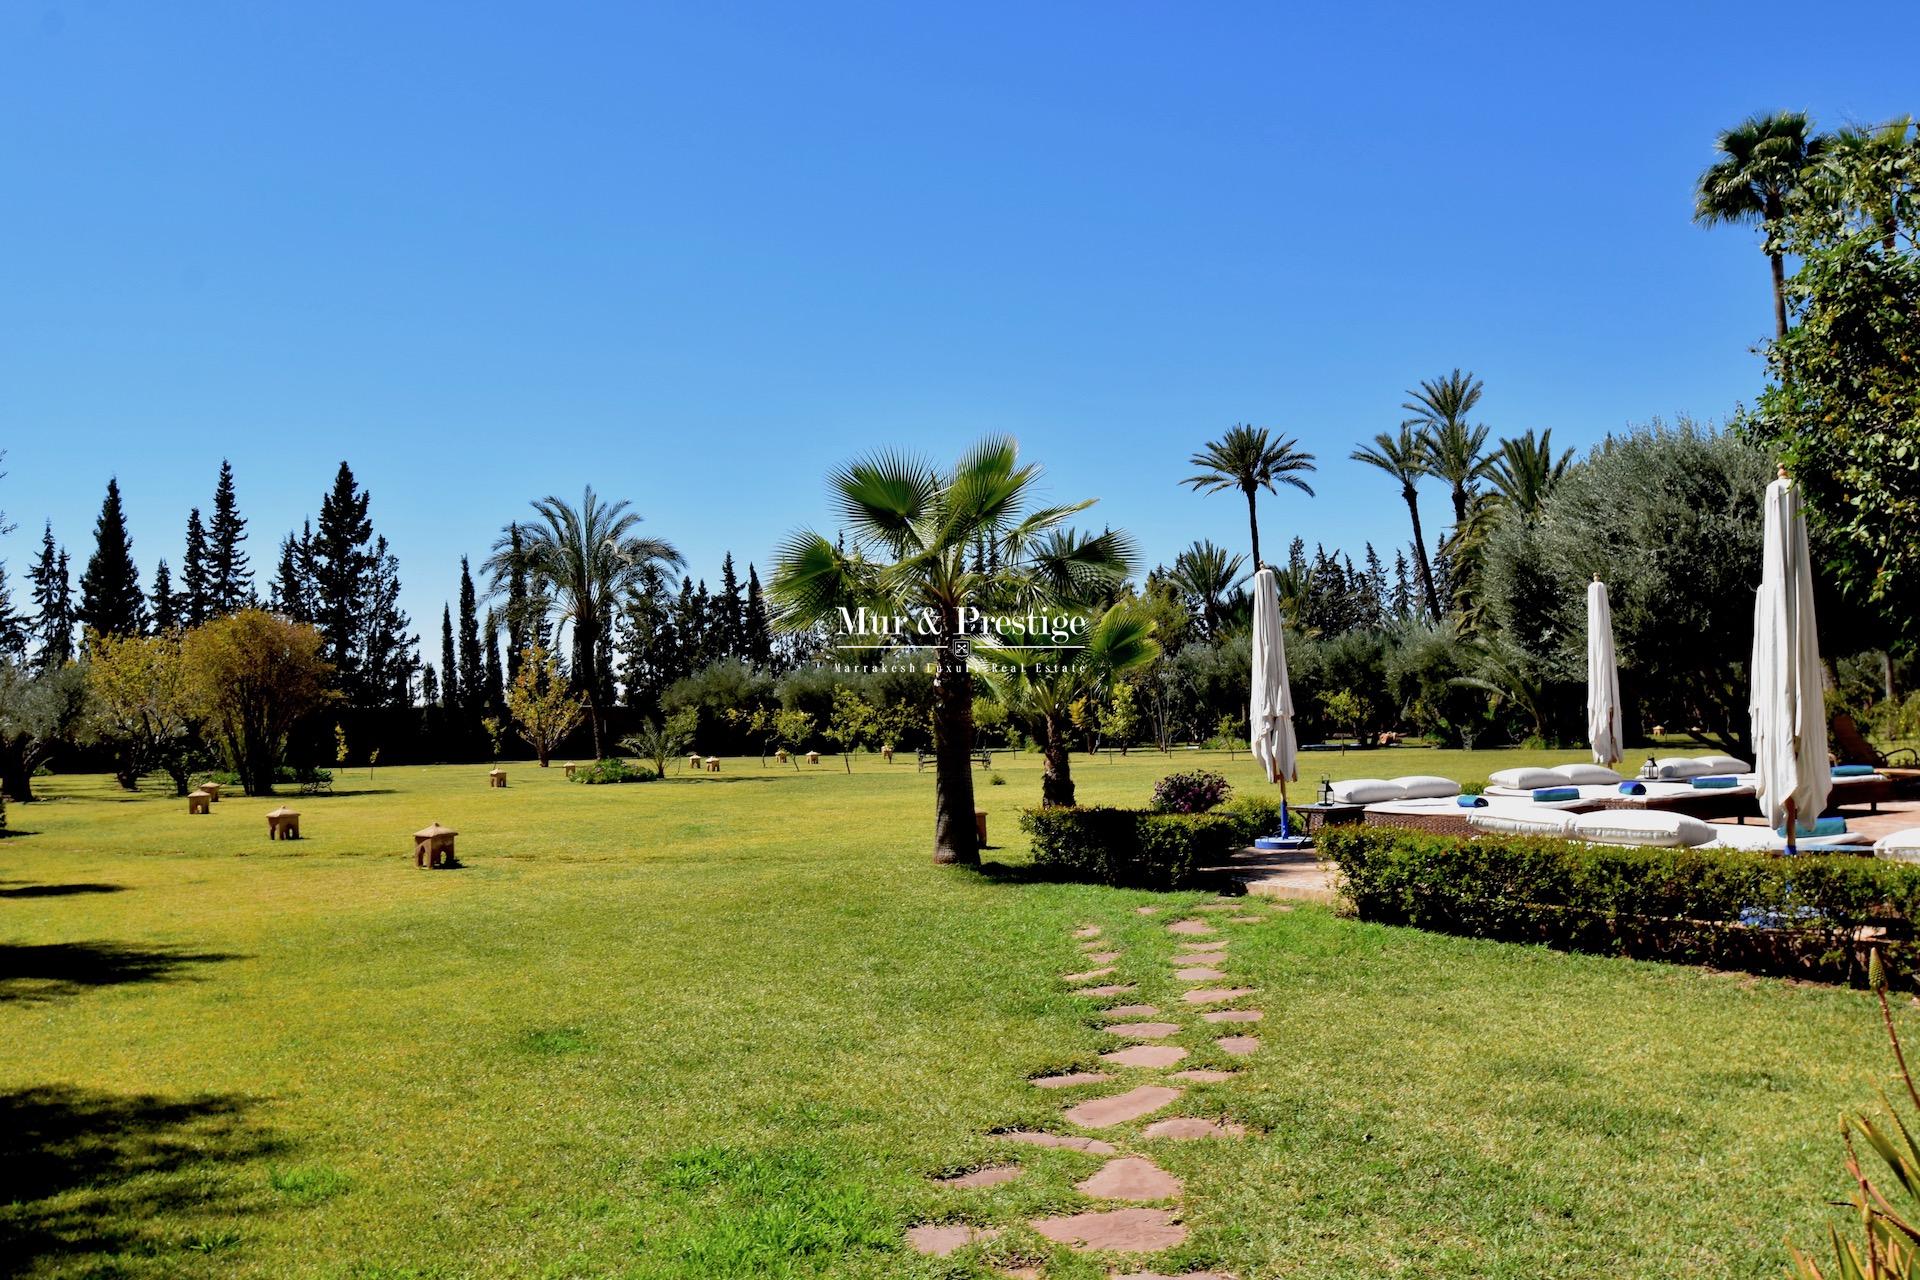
1069	1141
1233	1015
1145	1030
1189	1127
1199	973
939	1241
1068	1080
1188	928
1145	1055
1239	1046
1129	1011
1215	995
1102	1113
1130	1178
1115	1230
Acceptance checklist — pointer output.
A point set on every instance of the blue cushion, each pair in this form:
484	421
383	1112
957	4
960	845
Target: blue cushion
1716	780
1853	771
1834	825
1471	802
1633	788
1547	795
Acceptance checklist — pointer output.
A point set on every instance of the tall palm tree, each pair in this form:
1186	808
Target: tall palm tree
1760	170
1524	471
1404	458
1207	575
1248	459
1040	686
1452	448
912	527
587	561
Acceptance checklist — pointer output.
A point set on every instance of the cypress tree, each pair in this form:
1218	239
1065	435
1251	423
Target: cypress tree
759	630
52	603
111	601
195	606
730	612
162	604
341	567
449	664
686	626
229	576
496	686
517	601
1402	597
429	685
389	658
473	684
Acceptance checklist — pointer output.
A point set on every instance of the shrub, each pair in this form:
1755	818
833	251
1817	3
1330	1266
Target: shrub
612	769
997	780
1194	792
1127	847
1749	911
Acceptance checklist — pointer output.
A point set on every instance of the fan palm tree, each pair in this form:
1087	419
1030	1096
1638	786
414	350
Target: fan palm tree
587	561
1040	686
1248	459
1762	162
1403	457
1524	472
911	528
1452	448
1207	574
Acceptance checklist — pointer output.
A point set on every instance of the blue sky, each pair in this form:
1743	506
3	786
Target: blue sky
697	255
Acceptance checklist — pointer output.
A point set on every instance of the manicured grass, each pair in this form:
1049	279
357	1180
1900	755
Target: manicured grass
729	1026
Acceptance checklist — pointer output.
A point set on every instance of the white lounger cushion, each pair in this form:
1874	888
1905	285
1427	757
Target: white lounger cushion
1367	791
1725	764
1683	767
1520	822
1426	786
1589	775
1640	826
1901	846
1527	779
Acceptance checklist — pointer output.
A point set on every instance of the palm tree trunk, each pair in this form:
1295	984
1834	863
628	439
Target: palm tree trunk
1056	766
586	670
1779	293
954	837
1420	555
1253	526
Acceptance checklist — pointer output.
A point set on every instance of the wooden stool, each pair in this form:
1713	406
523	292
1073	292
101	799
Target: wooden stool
213	791
497	778
781	755
980	827
283	824
695	761
713	764
813	757
198	802
570	767
433	847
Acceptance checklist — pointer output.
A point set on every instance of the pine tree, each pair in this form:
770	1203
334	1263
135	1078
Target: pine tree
686	627
52	604
759	629
342	565
163	604
706	628
1401	601
390	655
730	612
496	686
429	686
649	645
291	591
449	664
229	576
111	601
195	606
473	685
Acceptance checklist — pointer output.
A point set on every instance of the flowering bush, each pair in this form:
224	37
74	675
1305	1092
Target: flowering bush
1194	792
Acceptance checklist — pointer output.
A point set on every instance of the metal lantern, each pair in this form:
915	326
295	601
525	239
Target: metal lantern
1326	791
1649	771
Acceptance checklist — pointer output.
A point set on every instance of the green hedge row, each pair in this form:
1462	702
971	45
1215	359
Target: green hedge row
1809	916
1131	848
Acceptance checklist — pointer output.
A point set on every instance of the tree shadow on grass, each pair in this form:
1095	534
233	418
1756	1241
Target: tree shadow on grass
27	889
51	970
86	1175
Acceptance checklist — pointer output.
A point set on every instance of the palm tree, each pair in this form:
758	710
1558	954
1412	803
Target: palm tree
912	527
1248	459
1040	686
1524	472
1451	447
587	561
1763	158
1404	458
1207	574
1869	173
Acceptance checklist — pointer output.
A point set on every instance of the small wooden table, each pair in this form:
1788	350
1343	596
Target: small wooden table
570	766
283	824
433	847
813	757
497	778
199	802
713	764
213	791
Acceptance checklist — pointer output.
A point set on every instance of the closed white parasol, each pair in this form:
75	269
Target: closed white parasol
1789	714
1603	677
1270	713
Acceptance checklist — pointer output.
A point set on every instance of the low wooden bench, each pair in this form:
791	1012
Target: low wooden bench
921	759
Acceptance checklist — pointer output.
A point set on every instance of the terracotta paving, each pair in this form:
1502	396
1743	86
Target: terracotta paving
1087	931
1115	1230
1111	989
1239	1046
1104	1113
1145	1030
1130	1178
1193	1127
945	1239
1233	1015
1199	973
1145	1055
992	1176
1070	1141
1214	995
1069	1079
1188	928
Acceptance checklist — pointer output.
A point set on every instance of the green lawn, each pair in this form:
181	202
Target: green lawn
730	1026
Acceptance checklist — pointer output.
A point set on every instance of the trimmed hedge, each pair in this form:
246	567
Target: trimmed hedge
1810	916
1130	848
612	770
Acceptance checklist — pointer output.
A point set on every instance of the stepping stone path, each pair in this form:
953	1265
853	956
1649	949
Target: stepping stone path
1145	1030
1128	1176
1145	1055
